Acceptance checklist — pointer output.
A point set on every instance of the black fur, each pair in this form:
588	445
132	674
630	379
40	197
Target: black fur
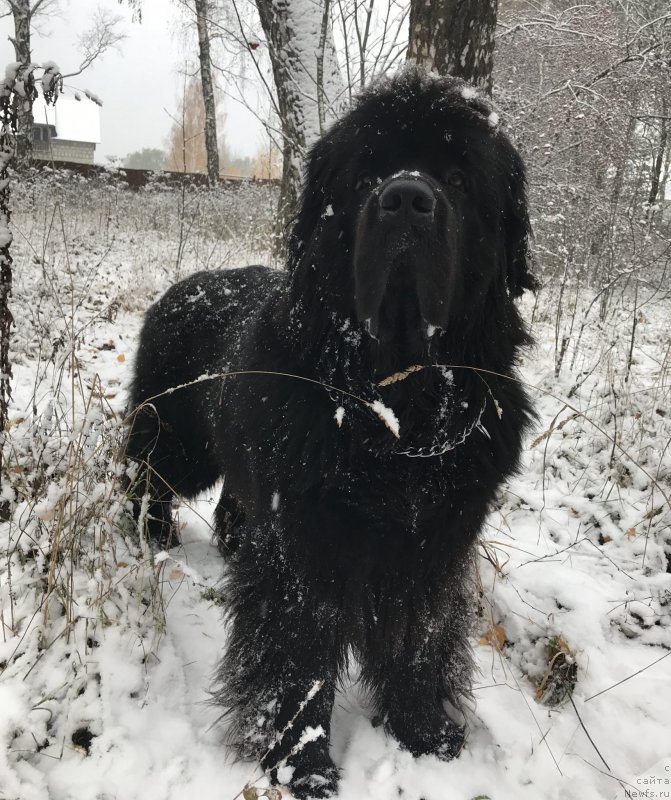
408	250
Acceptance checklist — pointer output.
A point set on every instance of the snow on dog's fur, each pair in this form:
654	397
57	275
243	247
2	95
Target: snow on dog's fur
351	502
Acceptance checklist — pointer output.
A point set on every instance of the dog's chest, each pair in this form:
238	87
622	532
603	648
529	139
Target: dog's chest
388	491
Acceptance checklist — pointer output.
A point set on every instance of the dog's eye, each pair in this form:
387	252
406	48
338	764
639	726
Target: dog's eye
364	181
457	179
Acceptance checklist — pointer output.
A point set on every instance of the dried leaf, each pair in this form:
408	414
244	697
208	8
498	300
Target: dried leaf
630	533
559	645
495	637
254	793
121	358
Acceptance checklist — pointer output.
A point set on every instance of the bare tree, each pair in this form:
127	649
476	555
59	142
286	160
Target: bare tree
136	7
587	91
103	35
94	43
371	37
453	37
187	150
267	162
16	92
211	144
308	83
23	12
147	158
307	90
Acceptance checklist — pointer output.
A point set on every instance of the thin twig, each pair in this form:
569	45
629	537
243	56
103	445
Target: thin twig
582	725
629	677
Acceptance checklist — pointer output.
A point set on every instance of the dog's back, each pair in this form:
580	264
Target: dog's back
190	334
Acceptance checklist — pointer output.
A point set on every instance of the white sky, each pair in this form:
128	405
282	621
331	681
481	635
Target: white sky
137	82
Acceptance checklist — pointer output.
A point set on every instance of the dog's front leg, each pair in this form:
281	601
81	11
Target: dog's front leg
423	668
278	674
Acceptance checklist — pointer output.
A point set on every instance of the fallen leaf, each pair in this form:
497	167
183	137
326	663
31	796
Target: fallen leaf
495	637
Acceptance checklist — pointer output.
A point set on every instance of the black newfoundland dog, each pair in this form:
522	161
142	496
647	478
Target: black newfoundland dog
370	418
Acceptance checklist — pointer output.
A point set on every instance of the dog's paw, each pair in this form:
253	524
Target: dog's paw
229	517
313	779
162	535
314	787
451	742
445	741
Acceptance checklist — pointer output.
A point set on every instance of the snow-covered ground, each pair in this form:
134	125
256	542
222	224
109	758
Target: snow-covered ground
106	656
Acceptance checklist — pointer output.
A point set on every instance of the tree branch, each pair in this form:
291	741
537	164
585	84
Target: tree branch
101	37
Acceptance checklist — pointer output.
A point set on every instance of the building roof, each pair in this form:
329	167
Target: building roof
75	120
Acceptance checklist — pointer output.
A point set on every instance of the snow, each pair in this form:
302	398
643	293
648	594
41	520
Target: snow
387	416
310	734
75	120
404	173
51	70
575	551
94	98
11	71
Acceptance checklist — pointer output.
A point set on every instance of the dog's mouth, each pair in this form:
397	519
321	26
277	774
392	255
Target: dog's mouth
399	328
407	302
427	330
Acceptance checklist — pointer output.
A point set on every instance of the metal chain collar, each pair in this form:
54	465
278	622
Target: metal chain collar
445	447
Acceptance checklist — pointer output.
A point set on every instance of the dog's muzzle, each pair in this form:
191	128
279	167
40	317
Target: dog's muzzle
407	201
404	259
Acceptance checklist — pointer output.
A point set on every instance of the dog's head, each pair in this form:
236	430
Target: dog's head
414	209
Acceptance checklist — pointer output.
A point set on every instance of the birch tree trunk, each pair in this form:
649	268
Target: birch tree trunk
6	318
18	89
309	86
656	183
455	37
211	142
22	14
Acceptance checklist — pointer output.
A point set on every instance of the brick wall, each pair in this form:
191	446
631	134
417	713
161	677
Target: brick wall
64	150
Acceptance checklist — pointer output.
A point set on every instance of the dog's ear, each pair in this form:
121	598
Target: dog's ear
312	201
517	234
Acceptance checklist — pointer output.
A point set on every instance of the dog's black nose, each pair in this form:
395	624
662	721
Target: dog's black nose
407	200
